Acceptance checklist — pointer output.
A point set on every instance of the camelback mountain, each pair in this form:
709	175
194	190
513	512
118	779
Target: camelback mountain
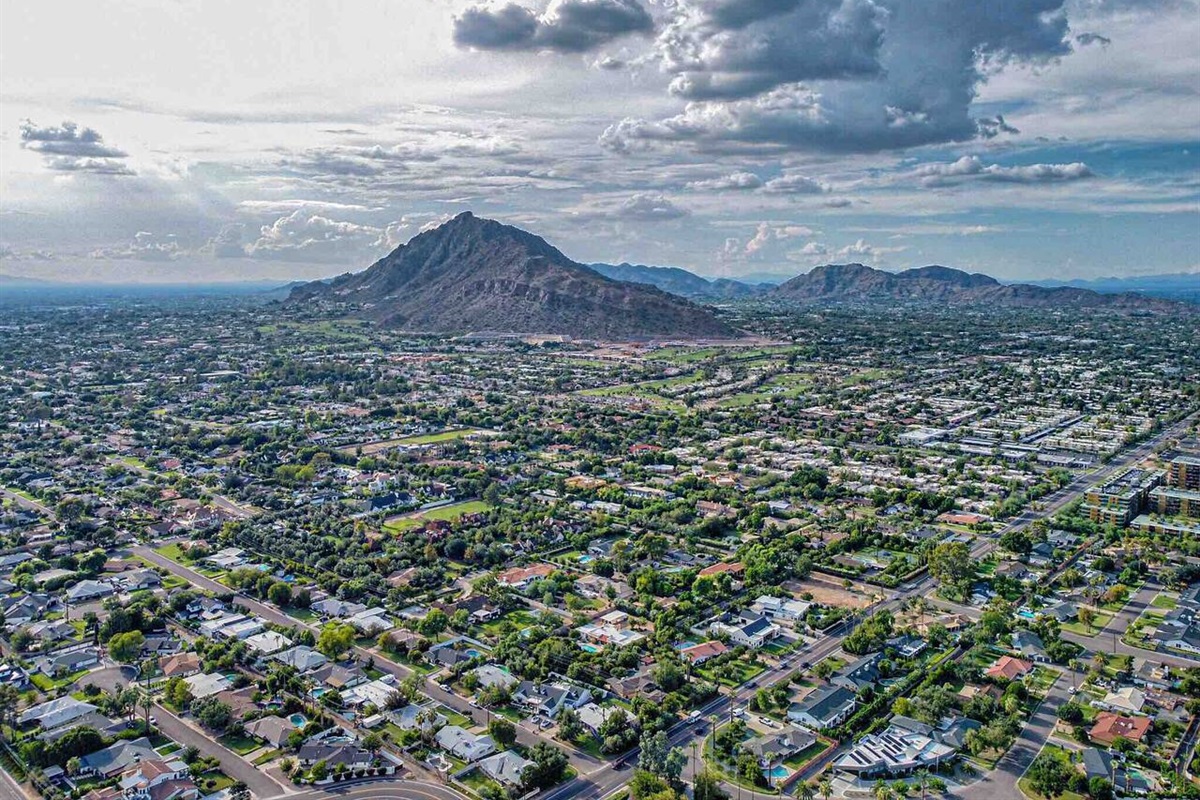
475	274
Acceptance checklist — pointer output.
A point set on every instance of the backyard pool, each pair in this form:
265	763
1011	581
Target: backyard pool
299	720
779	772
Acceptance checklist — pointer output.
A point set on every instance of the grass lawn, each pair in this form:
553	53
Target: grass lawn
302	614
1098	624
48	684
479	783
172	551
744	672
240	744
450	513
1165	602
806	755
270	755
456	718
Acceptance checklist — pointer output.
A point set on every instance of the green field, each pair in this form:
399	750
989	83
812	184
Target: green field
407	522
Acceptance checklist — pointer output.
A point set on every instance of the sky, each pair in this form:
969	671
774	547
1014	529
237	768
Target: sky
207	140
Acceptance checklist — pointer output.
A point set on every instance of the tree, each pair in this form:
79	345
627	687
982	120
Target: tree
659	758
213	714
548	768
569	726
1048	775
434	623
1087	615
502	731
1100	788
951	563
126	647
826	788
707	786
178	694
1016	541
280	594
336	640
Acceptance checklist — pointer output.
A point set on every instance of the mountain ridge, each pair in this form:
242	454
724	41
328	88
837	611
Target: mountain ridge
474	274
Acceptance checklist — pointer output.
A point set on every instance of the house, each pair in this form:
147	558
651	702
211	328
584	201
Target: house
1102	764
781	608
67	662
140	579
54	713
228	558
332	608
520	578
734	570
335	676
371	621
151	780
302	658
1063	612
1012	569
180	666
272	730
268	642
907	646
350	755
697	654
1152	675
491	675
895	751
117	758
412	717
824	707
464	745
1030	645
13	675
640	684
1108	727
87	590
593	716
611	629
505	768
1128	700
548	699
778	746
206	684
748	629
857	676
1009	668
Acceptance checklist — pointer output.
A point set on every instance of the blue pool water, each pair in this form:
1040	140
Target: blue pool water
299	720
778	773
584	559
591	648
473	653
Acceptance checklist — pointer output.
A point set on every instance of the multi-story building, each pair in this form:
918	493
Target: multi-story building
1121	499
1172	502
1183	472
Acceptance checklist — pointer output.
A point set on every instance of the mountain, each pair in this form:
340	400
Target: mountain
19	282
677	281
474	274
937	284
1176	286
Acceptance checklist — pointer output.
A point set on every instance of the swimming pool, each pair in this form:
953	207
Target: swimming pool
299	720
591	648
778	772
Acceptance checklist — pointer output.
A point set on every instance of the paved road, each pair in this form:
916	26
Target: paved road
260	783
10	789
25	502
383	789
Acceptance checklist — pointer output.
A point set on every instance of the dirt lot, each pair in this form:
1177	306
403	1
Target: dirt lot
830	593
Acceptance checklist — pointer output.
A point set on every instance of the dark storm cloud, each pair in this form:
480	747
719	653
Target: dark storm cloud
69	148
839	75
567	26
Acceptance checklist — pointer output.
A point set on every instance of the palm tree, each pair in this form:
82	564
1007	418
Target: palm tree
826	788
807	791
883	790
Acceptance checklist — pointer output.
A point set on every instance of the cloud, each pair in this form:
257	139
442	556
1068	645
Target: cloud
648	207
227	243
794	184
839	75
726	49
866	252
765	233
309	236
972	168
145	246
69	148
734	181
567	26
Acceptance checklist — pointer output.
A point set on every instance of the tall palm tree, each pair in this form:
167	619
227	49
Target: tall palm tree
807	791
826	788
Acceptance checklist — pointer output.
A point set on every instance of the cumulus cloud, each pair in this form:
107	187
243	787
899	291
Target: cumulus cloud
766	233
309	236
735	181
794	184
69	148
973	168
567	26
884	74
145	246
648	207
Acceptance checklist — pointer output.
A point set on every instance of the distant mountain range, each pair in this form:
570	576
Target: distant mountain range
679	281
944	285
474	275
1176	286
